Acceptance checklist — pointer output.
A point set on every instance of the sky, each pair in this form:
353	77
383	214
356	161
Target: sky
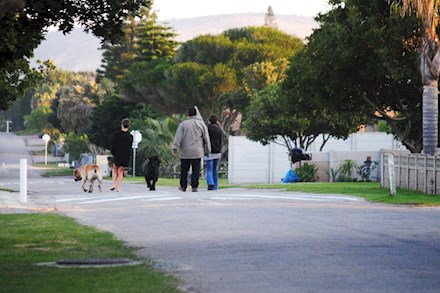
169	9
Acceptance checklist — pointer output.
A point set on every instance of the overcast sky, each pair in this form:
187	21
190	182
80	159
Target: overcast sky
169	9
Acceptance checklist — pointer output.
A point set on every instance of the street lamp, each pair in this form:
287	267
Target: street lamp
46	138
137	137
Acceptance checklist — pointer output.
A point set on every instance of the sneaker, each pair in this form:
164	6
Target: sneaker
211	187
194	190
182	189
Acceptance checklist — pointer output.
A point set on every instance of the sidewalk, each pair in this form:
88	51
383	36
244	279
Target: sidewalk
10	204
10	201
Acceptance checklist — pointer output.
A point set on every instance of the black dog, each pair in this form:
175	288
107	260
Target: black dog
298	154
151	172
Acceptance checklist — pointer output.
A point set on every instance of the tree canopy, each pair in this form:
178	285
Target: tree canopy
211	71
24	24
360	63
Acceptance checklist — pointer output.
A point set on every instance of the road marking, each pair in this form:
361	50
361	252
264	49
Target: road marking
230	198
293	197
119	199
164	198
75	199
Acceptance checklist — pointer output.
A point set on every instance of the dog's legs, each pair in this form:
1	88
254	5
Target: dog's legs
83	183
100	185
153	185
91	185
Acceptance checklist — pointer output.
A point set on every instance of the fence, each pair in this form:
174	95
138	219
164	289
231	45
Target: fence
412	171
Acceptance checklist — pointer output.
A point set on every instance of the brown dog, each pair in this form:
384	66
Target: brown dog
89	172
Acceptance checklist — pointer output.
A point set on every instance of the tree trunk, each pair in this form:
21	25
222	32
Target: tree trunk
430	68
430	118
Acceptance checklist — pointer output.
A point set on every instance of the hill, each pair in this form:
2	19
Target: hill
79	51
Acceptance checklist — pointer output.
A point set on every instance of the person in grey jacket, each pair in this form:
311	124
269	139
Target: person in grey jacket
192	139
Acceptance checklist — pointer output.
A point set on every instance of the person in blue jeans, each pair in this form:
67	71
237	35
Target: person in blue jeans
213	159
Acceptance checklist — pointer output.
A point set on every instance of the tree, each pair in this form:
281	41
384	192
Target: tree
209	71
106	119
155	40
358	67
143	39
118	56
23	25
272	117
428	12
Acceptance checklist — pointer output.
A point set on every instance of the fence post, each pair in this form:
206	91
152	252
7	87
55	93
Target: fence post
391	174
407	171
425	179
434	174
382	168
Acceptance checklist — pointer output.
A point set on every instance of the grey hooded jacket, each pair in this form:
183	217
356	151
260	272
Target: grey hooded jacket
191	138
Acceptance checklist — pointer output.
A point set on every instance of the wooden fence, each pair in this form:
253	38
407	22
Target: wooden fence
412	171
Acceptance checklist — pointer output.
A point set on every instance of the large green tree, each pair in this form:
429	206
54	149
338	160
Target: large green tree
359	66
23	25
143	39
210	71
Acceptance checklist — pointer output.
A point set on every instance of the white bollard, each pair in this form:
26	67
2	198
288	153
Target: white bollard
23	180
391	175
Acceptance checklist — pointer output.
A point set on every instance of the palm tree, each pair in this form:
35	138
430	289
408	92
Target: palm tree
427	12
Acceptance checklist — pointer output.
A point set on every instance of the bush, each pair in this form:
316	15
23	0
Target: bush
344	172
75	145
307	173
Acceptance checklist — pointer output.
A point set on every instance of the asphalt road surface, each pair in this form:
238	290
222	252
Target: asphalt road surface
238	240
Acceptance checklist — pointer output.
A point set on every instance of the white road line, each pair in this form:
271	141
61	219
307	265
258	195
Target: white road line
76	199
164	199
119	199
229	198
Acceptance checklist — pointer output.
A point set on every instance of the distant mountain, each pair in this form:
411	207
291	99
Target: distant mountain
79	51
188	28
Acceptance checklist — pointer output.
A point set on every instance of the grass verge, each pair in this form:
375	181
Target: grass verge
28	239
370	191
52	169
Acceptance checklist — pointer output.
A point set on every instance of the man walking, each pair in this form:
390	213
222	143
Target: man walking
192	138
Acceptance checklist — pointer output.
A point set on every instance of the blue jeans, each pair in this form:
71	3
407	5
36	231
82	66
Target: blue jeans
212	173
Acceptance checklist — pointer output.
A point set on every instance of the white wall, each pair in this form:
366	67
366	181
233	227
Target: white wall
251	162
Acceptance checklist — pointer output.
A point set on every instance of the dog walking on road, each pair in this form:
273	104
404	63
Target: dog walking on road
90	172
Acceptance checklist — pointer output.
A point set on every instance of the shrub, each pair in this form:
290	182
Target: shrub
307	173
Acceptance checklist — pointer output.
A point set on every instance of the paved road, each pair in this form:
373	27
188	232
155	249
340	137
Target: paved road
12	149
236	240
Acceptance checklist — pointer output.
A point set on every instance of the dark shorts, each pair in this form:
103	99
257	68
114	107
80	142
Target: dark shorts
121	163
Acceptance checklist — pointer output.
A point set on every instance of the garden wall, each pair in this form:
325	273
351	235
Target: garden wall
251	162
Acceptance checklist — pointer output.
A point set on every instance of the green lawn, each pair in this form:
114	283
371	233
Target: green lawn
29	239
370	191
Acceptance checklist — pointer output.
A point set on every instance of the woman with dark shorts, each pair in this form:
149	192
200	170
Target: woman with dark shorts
121	149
